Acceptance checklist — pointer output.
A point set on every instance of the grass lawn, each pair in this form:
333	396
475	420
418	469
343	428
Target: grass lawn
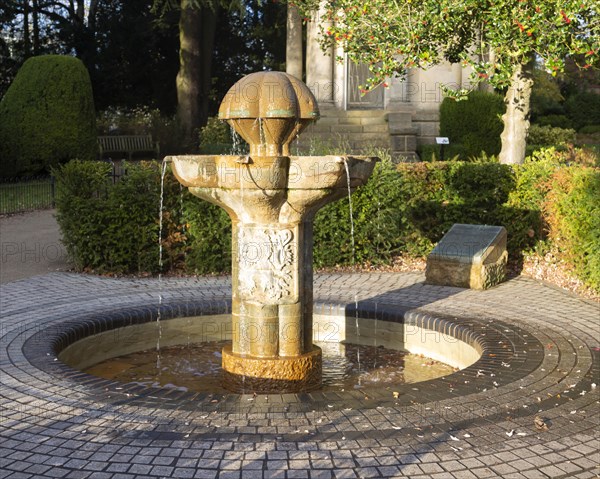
26	195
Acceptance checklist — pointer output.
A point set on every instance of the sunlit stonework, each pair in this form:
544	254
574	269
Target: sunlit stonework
272	198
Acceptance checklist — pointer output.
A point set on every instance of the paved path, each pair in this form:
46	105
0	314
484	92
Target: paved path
59	423
30	245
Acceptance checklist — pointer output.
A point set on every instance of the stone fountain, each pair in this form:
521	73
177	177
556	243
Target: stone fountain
272	198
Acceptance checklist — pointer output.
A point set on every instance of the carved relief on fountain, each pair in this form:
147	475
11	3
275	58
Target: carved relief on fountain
267	265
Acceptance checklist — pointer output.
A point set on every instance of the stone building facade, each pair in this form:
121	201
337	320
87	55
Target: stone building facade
401	116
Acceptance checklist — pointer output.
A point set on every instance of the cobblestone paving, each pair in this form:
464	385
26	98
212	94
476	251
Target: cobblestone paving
479	423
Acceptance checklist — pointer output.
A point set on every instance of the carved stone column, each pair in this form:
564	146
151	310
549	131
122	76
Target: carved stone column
272	309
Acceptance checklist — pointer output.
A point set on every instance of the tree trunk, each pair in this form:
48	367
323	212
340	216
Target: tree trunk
516	118
189	69
92	20
197	28
293	46
36	28
89	29
26	34
80	12
209	28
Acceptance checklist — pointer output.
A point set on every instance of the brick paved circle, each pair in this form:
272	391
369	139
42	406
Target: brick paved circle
540	357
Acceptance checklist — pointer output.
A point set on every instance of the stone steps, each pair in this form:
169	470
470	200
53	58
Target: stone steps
358	131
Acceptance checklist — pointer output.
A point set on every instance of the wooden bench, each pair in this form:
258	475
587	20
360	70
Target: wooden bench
128	144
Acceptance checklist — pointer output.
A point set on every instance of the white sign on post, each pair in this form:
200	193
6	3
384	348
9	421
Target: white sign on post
442	140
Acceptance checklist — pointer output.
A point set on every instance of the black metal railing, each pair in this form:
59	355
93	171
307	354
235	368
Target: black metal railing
26	194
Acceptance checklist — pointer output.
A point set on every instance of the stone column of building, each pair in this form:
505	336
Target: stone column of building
293	47
319	64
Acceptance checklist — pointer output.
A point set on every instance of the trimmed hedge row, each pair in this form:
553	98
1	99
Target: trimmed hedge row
114	228
402	209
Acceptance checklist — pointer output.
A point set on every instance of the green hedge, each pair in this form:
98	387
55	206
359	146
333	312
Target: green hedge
556	121
437	195
572	209
47	116
473	125
113	228
584	109
403	209
378	223
549	135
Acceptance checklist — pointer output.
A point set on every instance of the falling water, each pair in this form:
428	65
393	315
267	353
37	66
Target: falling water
237	144
182	214
375	343
351	213
347	167
357	337
160	218
261	131
160	261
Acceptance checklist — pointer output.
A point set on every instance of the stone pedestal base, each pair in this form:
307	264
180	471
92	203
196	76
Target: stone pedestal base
244	374
469	256
466	275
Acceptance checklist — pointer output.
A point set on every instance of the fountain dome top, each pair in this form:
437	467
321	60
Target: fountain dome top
269	94
269	109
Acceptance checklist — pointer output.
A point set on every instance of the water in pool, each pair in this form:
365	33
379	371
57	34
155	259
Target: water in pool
197	367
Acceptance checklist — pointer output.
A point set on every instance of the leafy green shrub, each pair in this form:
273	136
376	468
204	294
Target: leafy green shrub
573	214
209	231
523	210
549	136
114	228
402	209
584	109
411	211
106	227
481	185
215	131
556	121
409	207
475	124
590	130
441	194
424	205
46	116
81	196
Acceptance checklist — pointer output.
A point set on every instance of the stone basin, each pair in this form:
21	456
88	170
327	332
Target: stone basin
276	189
271	172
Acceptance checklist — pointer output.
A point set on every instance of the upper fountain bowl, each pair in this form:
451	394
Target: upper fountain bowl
268	110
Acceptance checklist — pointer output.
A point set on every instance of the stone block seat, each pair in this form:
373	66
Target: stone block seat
469	256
